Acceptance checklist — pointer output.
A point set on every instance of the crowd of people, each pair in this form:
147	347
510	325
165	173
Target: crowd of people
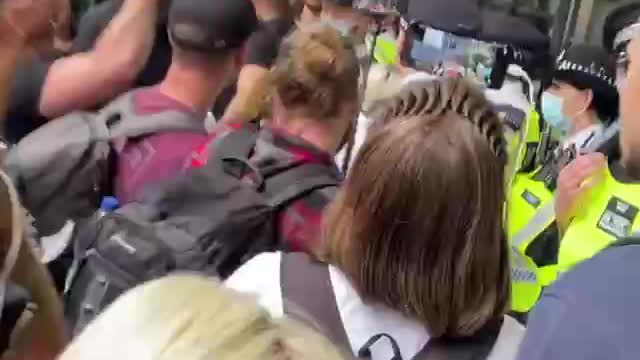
317	179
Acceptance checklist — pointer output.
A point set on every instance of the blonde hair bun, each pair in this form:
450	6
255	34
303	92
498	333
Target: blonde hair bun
317	69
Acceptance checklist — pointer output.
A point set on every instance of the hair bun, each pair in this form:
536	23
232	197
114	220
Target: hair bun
321	54
316	70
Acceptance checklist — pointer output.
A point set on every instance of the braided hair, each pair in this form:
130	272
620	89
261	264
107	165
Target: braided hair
433	99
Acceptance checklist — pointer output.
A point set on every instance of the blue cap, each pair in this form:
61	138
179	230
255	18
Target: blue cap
109	204
592	312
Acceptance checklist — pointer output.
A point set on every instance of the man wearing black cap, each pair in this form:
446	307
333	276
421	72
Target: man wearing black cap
208	38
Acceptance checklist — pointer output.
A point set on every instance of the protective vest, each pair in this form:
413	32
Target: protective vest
525	283
386	51
529	200
526	197
612	212
532	140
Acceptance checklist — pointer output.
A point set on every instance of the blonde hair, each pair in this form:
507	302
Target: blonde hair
45	335
189	317
316	71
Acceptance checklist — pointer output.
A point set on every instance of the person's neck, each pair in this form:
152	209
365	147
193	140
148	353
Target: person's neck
308	15
310	131
192	88
264	11
584	121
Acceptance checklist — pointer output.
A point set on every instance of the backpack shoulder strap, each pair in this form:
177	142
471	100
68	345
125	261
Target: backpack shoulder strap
308	296
477	347
123	122
295	183
238	143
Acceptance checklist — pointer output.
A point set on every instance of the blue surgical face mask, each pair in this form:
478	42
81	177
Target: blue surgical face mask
552	110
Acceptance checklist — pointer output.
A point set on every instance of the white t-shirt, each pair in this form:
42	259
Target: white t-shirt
261	277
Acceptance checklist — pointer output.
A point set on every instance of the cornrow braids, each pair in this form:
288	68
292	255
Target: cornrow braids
433	98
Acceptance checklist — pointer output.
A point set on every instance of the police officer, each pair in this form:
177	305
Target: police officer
582	98
579	105
599	201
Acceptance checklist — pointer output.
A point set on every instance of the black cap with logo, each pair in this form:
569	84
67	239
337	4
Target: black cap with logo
211	25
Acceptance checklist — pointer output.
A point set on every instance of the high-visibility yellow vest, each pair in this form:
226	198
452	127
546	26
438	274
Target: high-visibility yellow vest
519	144
526	197
609	211
534	132
532	139
525	284
386	51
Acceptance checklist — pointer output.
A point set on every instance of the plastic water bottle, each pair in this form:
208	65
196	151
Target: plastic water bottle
109	205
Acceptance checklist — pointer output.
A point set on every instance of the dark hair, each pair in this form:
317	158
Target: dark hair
618	19
607	107
418	223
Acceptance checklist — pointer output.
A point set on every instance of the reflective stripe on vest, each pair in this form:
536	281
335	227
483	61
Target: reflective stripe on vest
528	211
525	283
533	134
543	218
612	213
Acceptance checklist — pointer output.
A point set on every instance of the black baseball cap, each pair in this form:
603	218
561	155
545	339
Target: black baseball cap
211	25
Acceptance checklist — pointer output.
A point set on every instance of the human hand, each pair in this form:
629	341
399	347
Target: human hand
574	181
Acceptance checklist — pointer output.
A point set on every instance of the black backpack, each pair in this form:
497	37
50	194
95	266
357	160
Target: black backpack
210	220
64	168
307	295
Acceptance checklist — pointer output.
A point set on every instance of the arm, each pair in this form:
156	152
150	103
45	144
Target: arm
254	79
250	98
87	79
20	24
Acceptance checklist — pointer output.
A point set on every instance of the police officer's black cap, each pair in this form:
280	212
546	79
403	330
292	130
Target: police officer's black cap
616	21
589	67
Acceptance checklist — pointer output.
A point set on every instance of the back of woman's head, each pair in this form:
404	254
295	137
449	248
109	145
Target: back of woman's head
188	317
317	72
417	225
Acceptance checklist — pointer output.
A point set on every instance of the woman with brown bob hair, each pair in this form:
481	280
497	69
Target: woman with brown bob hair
415	237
